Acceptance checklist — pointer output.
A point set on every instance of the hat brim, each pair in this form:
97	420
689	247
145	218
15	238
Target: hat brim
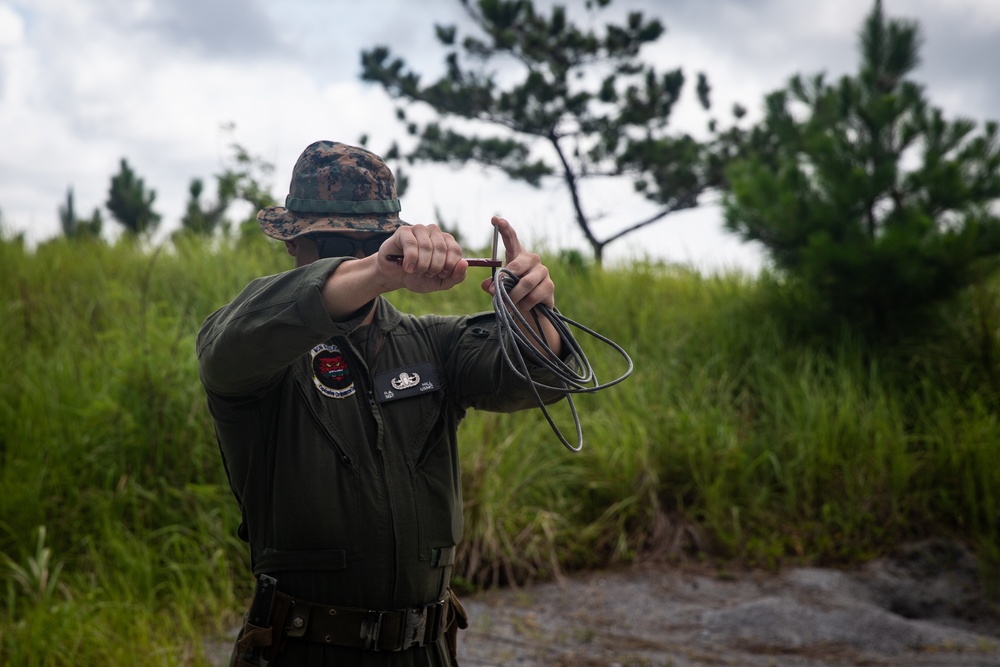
280	223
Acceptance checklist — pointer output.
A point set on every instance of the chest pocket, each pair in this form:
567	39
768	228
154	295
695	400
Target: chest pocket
316	493
411	402
419	421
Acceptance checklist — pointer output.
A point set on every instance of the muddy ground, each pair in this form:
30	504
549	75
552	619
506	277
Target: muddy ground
923	607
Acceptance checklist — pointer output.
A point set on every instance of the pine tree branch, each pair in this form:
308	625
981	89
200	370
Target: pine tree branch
664	212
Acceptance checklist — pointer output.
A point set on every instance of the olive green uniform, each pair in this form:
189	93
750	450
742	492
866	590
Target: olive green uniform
340	444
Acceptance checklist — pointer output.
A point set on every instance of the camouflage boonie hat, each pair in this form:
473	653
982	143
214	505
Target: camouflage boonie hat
335	188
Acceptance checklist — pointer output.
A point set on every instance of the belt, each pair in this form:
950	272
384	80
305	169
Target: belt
395	630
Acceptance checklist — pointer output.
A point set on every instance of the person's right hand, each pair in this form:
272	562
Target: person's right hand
432	259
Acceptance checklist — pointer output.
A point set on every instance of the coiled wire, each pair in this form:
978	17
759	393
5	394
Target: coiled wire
575	375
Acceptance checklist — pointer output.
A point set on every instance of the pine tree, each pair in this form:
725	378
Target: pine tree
572	103
67	215
865	196
130	203
75	228
205	220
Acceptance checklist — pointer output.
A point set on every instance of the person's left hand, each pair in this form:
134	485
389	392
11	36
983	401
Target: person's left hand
534	284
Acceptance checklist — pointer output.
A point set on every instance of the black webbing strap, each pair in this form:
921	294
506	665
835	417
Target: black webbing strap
394	630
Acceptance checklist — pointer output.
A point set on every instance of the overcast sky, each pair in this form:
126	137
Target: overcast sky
84	83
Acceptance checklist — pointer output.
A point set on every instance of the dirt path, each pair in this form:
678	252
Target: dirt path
922	608
897	612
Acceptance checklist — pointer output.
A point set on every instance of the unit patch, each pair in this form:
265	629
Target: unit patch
331	375
405	382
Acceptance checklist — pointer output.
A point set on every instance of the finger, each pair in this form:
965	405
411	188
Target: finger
488	286
408	246
423	253
393	247
453	257
533	288
444	253
450	277
457	274
438	252
512	245
524	263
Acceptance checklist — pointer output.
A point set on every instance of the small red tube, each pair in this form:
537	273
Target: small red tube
473	261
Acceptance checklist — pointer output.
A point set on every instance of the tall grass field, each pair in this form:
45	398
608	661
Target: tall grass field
734	442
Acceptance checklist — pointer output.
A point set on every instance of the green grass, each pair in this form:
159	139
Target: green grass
734	440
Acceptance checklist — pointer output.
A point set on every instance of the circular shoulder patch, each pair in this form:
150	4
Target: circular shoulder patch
331	375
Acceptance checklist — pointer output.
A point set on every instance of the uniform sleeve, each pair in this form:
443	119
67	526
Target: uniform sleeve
479	375
245	346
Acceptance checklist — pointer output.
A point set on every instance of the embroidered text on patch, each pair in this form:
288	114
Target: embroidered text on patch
331	374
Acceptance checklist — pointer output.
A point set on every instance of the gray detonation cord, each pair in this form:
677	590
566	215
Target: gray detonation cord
575	377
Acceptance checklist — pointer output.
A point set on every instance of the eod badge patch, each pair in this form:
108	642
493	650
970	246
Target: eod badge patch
406	382
331	374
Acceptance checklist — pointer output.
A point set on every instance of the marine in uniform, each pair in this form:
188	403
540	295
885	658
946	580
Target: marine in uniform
336	416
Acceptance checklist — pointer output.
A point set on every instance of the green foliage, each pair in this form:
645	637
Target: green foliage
872	204
7	235
201	220
130	203
105	441
38	578
240	181
550	98
730	441
74	227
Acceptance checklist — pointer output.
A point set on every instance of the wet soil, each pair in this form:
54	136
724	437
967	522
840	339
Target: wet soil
923	607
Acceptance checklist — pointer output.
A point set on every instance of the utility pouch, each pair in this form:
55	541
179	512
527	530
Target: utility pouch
262	634
458	619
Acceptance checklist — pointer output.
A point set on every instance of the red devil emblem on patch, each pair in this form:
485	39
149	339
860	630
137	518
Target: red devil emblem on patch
331	375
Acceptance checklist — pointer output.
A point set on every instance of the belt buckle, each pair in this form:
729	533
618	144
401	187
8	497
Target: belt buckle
371	628
415	627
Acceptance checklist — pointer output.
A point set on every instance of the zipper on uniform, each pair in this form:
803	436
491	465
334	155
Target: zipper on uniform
376	348
344	456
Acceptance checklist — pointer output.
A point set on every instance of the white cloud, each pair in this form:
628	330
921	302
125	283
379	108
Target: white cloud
84	83
980	17
11	28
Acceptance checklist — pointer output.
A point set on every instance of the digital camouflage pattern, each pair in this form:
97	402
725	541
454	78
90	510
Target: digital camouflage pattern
335	187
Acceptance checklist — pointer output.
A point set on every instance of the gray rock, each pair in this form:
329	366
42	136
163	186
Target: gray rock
788	624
